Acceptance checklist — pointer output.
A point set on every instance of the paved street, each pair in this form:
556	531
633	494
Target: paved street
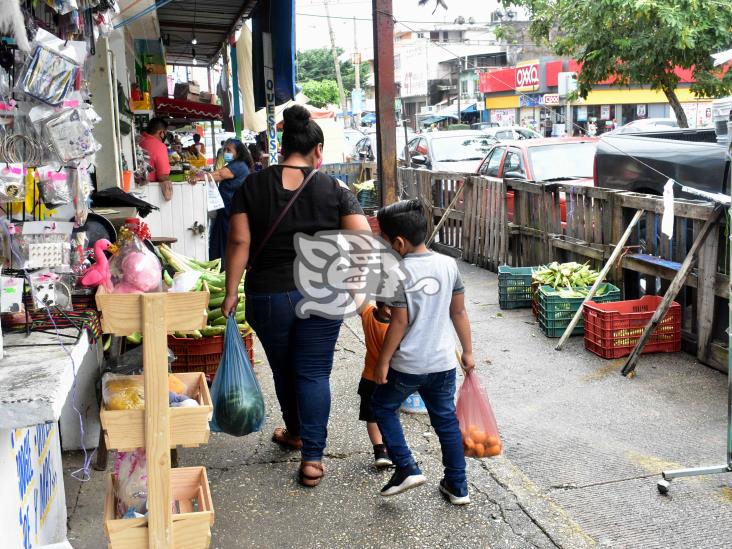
583	449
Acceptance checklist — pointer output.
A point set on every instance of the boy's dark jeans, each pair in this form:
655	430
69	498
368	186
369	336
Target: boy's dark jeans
300	353
438	393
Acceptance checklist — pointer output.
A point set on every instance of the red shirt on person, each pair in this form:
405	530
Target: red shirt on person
158	156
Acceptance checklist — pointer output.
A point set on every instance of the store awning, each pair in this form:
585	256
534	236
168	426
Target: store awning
436	119
181	20
187	111
369	118
469	109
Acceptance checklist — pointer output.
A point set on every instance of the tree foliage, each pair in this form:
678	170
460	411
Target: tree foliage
638	41
318	65
321	92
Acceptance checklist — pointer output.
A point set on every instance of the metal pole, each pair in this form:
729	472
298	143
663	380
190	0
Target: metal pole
357	74
339	79
383	19
458	88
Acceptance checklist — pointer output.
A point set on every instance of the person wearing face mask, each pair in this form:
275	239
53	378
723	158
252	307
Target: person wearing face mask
153	142
299	350
230	178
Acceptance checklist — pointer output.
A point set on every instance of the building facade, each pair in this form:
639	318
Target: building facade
527	94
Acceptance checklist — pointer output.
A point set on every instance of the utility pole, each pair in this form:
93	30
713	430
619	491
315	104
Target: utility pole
357	76
459	65
337	64
383	21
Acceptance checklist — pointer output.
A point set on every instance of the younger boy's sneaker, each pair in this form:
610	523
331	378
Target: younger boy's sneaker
456	497
403	480
381	457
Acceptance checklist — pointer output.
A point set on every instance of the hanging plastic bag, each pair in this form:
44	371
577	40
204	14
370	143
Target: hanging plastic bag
237	397
477	422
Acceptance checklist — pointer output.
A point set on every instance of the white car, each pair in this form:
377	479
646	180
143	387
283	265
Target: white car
460	151
512	133
647	125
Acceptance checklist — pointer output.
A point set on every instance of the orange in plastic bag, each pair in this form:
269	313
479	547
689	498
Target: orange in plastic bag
477	422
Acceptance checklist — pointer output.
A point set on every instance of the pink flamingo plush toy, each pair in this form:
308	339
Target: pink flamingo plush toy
99	274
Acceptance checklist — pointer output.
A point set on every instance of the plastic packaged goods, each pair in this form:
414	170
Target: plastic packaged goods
69	133
12	183
134	267
50	75
130	474
54	186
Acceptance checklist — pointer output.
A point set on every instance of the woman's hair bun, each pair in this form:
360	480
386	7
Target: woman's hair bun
295	118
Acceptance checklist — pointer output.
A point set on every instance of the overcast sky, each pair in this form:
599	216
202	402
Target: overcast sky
312	31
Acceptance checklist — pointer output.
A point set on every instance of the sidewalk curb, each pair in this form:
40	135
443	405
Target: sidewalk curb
546	513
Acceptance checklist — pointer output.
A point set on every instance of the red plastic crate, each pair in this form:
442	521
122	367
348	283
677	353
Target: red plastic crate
203	355
613	329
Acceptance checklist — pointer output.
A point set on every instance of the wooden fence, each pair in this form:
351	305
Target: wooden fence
531	224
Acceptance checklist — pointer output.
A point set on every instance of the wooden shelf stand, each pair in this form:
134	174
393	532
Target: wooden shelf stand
155	315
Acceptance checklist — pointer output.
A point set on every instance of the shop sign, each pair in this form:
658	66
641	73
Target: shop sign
551	99
504	117
530	101
527	76
640	111
605	112
581	114
33	507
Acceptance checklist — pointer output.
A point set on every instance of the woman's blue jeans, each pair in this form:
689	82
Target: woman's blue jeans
300	353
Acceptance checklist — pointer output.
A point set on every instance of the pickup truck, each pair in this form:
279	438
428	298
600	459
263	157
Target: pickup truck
643	162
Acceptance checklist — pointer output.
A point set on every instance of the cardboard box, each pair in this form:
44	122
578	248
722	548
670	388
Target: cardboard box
181	90
194	97
194	87
205	97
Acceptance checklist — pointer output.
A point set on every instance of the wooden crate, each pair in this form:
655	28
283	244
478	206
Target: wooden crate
191	528
184	312
125	429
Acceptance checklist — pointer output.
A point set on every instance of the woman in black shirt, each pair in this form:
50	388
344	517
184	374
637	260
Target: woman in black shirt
299	350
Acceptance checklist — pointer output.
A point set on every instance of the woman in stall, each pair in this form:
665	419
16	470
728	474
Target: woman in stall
239	165
299	350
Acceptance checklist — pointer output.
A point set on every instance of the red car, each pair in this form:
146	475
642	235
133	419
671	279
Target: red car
566	160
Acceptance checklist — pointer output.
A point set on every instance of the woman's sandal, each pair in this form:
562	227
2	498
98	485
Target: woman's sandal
282	437
311	473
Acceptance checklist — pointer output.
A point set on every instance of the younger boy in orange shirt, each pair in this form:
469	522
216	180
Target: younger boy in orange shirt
375	320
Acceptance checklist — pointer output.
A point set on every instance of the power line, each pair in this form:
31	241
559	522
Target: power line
370	20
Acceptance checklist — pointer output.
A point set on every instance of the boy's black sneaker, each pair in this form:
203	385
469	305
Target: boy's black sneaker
381	457
456	497
403	480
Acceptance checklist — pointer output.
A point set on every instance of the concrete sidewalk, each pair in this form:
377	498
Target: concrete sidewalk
583	450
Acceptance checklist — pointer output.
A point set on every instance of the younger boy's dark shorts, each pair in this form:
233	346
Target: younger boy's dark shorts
366	390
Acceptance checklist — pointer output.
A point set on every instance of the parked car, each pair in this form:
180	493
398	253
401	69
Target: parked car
546	160
644	162
512	133
483	125
456	151
646	124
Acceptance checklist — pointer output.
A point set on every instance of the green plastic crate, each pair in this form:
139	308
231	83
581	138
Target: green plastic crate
556	312
514	287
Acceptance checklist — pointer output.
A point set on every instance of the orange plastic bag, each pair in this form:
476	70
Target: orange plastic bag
477	422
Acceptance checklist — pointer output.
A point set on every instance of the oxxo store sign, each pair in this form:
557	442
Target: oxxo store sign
527	76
